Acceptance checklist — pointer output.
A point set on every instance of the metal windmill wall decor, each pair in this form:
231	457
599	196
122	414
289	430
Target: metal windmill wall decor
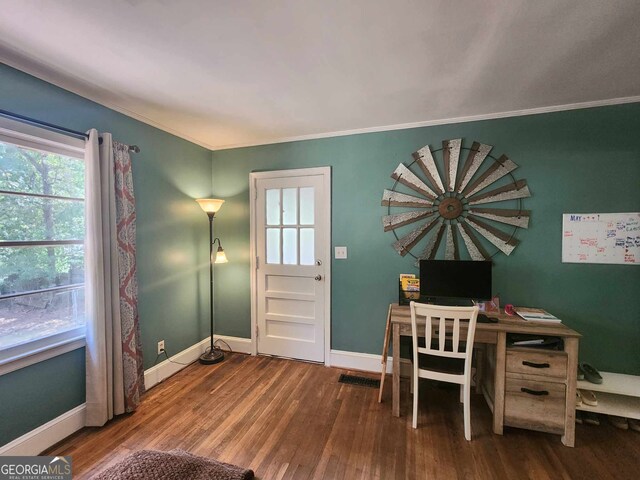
453	207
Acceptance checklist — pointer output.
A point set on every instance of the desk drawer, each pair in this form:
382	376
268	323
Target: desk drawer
547	363
534	405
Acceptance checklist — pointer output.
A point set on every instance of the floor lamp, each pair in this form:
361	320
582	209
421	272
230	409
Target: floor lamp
211	206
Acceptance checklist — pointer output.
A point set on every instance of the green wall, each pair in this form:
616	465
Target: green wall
33	395
172	249
575	161
580	161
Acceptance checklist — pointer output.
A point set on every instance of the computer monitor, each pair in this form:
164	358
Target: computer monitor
455	279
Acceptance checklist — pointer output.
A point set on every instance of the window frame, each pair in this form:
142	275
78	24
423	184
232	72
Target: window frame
35	351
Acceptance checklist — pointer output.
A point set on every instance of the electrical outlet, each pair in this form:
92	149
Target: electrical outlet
340	252
160	347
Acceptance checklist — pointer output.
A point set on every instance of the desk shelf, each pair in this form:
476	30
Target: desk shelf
618	394
614	383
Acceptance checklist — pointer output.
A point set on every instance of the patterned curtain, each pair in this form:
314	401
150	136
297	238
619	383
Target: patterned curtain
133	369
114	369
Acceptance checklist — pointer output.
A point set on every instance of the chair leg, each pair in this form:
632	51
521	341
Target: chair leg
462	393
411	383
467	411
414	384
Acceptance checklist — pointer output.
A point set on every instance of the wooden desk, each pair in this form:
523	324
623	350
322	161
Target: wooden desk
558	376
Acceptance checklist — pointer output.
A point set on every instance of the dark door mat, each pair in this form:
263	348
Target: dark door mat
356	380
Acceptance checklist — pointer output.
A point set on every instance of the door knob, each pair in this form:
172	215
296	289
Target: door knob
318	277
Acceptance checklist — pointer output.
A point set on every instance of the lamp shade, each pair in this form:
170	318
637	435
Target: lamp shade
221	257
210	205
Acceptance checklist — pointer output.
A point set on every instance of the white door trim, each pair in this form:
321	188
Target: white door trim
326	224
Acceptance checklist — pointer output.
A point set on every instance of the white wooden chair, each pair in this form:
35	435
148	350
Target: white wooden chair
442	339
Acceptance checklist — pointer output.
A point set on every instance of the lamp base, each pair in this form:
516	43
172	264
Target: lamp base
212	356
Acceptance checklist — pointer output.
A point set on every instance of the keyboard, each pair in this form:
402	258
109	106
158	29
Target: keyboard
482	318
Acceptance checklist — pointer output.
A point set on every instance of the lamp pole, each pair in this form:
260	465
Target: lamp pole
211	217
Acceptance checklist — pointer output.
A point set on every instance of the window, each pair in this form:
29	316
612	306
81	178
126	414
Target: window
41	241
290	226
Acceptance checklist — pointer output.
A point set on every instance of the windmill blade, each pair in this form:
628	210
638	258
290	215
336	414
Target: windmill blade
427	164
397	199
517	218
501	240
431	248
476	250
499	169
451	243
478	153
391	222
451	156
508	192
408	178
406	243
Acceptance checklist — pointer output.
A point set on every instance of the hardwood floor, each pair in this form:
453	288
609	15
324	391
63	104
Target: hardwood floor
293	420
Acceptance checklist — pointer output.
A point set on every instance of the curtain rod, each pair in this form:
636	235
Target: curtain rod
67	131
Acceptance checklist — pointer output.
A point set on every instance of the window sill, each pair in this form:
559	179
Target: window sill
20	356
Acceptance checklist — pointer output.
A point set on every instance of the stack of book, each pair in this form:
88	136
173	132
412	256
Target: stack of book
409	288
537	315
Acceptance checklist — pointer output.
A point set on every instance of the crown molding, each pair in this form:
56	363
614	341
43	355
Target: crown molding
444	121
97	94
85	89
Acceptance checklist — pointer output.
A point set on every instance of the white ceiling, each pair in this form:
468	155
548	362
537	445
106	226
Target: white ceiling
246	72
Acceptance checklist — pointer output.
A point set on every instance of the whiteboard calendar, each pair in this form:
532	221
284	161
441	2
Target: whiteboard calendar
601	238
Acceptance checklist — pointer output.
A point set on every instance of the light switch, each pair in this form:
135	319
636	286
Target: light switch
341	252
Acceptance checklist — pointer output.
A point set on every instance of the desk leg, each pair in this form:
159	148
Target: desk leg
395	403
571	347
480	351
385	354
499	380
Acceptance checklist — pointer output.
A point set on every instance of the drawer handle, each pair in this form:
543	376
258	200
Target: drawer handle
534	392
535	365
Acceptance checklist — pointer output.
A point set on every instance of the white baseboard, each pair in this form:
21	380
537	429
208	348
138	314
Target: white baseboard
163	370
367	362
52	432
43	437
237	344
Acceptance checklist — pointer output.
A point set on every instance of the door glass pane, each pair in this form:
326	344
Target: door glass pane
306	206
273	245
290	246
306	246
273	207
289	206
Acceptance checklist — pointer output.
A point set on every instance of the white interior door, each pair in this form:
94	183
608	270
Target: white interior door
291	260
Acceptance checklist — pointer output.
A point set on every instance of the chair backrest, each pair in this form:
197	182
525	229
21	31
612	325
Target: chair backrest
442	329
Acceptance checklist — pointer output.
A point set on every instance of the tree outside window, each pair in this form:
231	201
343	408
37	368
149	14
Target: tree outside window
41	244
